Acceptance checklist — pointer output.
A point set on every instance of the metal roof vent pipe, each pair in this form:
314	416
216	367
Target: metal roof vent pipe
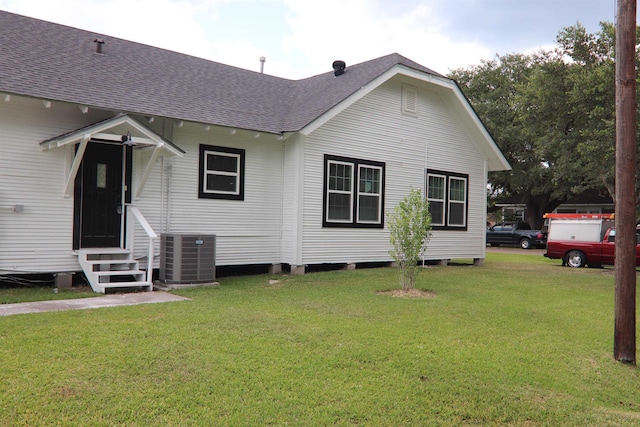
338	68
262	59
99	43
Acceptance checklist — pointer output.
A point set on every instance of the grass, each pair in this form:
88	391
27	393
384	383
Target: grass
520	341
11	295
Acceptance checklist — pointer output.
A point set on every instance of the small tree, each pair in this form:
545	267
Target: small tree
410	228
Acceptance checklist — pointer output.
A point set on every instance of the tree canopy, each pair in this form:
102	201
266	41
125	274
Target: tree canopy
552	113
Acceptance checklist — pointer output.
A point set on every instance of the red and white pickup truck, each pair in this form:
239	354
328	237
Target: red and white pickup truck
583	239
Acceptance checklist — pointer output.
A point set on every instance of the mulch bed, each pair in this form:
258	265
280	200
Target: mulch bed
409	293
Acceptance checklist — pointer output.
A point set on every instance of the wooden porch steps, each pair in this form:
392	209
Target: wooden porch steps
112	268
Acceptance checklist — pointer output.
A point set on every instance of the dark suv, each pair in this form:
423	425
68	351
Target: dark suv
516	233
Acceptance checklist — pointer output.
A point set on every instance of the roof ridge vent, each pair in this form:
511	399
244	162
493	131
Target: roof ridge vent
338	67
99	43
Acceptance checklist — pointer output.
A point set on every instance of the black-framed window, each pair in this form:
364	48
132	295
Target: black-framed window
448	196
221	173
353	192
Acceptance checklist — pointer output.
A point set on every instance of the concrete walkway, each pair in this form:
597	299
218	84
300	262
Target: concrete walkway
87	303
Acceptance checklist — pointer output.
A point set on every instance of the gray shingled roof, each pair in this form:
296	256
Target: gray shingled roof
56	62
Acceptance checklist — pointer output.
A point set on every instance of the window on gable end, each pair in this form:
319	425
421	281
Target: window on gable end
340	192
353	192
457	208
409	100
221	173
436	189
369	194
448	196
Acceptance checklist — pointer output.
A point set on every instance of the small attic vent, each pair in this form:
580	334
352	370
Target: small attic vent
338	68
409	100
99	43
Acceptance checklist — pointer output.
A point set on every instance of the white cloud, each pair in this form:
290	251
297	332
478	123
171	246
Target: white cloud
163	23
359	30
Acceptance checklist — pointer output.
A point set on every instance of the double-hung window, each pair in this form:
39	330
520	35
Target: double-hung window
353	192
436	189
447	193
221	173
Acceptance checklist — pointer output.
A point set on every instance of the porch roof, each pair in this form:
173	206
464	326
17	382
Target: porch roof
114	129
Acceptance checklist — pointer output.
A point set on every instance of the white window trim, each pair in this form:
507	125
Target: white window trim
443	201
356	166
378	195
462	202
447	202
350	192
204	192
208	172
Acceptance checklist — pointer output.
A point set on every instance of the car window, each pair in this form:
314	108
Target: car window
612	237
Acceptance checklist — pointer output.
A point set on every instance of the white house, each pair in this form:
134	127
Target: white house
106	144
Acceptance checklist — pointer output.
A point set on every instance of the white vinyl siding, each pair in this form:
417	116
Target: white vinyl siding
282	214
38	239
451	149
373	128
151	205
292	199
247	232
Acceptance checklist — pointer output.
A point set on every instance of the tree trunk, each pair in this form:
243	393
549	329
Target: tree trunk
537	206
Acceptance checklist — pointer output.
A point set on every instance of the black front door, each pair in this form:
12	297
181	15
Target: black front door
98	197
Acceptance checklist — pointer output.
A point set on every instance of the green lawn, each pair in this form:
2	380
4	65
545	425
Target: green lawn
10	295
520	341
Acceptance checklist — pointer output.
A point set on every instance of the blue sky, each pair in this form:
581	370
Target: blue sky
301	38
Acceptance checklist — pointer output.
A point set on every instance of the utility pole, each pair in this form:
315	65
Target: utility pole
624	348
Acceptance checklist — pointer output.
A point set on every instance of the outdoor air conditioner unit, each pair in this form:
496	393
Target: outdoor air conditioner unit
187	258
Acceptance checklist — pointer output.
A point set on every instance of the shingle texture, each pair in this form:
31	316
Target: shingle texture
56	62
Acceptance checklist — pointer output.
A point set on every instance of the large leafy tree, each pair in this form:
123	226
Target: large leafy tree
590	102
552	115
498	91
